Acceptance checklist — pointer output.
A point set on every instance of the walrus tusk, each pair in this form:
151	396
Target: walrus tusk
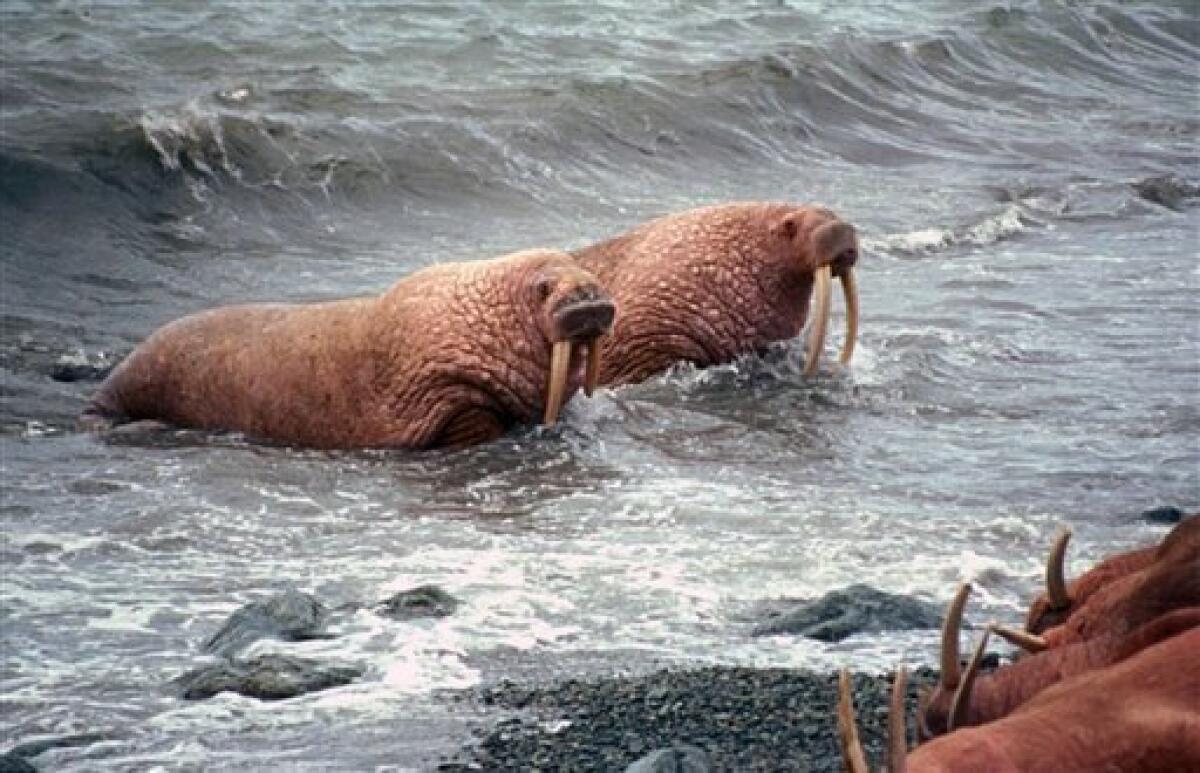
1056	578
592	375
560	363
897	727
852	750
962	696
850	291
950	629
1027	641
820	319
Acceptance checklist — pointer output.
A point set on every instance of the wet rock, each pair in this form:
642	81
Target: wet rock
844	612
422	601
70	370
1168	191
267	677
1163	515
19	754
15	763
288	616
679	758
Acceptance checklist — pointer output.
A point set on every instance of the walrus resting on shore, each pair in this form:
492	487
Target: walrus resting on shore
709	284
452	355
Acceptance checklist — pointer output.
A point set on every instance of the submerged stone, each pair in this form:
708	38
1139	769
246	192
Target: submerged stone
422	601
677	758
287	616
15	763
1164	515
267	677
842	613
1167	190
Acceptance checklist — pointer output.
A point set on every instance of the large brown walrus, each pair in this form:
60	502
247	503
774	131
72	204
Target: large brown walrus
452	355
709	284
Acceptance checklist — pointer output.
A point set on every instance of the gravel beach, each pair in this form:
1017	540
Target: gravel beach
743	719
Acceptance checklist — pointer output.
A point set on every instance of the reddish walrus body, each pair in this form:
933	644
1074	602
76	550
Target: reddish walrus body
452	355
710	284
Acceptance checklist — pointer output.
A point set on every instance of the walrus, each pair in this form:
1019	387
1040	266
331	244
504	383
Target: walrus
451	355
707	285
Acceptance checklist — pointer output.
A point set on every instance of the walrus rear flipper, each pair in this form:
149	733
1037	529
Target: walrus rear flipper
103	411
94	418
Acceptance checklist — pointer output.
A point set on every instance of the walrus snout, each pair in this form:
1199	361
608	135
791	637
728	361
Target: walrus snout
579	319
582	317
835	244
835	250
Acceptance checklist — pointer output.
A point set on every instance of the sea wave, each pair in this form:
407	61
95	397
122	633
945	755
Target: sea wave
984	93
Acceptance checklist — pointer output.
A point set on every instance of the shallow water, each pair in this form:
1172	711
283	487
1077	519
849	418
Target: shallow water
1025	179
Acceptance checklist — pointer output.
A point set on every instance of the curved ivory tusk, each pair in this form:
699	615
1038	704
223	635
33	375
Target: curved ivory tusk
850	291
897	726
950	630
820	318
1027	641
560	361
962	696
852	750
1056	577
592	375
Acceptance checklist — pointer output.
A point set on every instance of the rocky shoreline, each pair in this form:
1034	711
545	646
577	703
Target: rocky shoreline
594	711
715	718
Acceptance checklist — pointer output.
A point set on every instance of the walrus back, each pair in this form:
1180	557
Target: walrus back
269	370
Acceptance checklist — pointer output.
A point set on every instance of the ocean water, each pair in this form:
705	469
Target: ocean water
1025	176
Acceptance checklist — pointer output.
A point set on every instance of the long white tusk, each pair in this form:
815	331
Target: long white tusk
1029	642
850	290
1056	577
897	722
852	751
820	318
951	626
592	375
962	696
560	363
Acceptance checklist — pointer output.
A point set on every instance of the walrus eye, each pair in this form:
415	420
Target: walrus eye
544	288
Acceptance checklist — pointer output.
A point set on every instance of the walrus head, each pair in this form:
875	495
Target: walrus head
827	247
575	312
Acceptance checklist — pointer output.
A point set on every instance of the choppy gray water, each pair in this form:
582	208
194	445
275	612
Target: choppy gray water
1025	177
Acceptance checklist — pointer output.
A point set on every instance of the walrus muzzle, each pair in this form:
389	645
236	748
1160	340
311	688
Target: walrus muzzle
577	322
839	242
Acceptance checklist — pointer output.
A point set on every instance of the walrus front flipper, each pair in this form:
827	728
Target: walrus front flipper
94	420
103	411
470	427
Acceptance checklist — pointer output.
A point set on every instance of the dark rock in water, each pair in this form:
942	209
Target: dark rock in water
69	371
268	678
422	601
288	616
844	612
1168	191
679	758
18	754
1164	515
15	763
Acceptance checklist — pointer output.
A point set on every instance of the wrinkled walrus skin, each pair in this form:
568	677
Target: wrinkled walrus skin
707	285
452	355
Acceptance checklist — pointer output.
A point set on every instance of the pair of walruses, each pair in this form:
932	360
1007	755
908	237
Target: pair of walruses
458	353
